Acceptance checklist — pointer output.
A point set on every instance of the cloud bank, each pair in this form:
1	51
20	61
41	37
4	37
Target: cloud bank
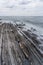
21	7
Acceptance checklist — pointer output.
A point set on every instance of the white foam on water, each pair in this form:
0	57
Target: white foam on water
39	30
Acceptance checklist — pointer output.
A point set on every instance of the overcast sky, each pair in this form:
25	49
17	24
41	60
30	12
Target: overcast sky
21	7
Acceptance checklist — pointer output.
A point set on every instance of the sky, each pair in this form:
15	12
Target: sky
21	7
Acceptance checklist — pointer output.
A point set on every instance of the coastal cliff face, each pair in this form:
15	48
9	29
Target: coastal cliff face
19	46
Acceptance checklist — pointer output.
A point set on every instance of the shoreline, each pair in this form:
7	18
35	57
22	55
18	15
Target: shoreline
20	45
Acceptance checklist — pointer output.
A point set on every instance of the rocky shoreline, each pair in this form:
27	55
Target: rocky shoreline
19	46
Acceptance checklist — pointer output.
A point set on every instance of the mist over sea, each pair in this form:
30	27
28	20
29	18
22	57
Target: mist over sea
31	21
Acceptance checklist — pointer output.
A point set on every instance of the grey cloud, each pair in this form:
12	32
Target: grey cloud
14	7
10	6
41	0
24	2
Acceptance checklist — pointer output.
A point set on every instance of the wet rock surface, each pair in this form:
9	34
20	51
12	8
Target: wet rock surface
16	49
